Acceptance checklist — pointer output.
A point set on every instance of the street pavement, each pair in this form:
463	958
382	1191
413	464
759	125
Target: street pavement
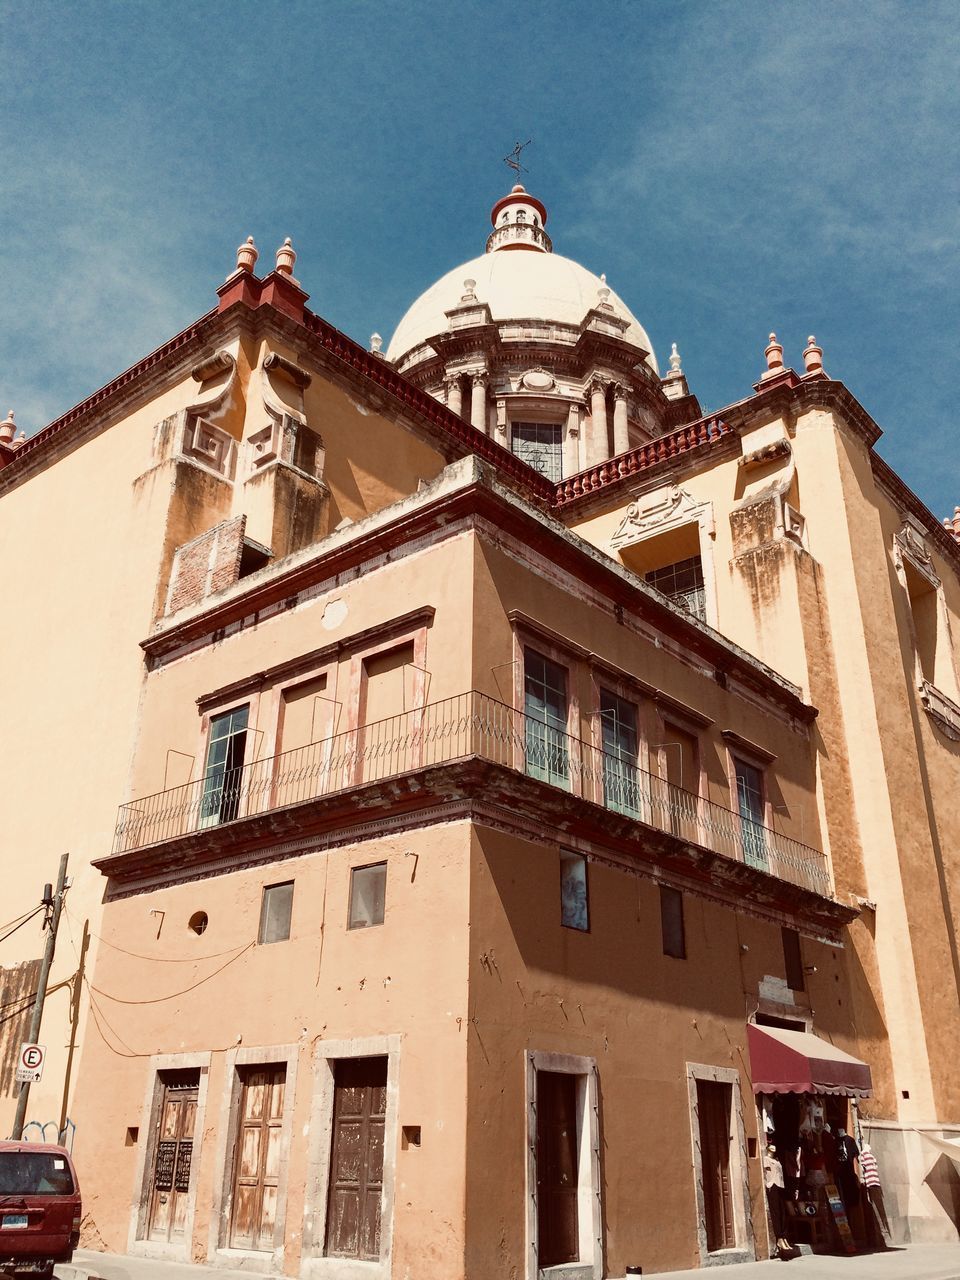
904	1262
912	1262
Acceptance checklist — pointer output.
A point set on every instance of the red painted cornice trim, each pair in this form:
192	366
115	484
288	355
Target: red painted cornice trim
120	383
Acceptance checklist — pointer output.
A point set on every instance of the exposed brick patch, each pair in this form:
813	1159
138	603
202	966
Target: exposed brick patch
206	564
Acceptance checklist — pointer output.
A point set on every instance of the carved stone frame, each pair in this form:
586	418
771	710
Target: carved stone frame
910	548
670	509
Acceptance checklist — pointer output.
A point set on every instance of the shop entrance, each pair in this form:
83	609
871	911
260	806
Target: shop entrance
714	1109
173	1155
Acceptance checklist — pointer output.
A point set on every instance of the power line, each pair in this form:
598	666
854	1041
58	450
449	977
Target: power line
36	911
173	994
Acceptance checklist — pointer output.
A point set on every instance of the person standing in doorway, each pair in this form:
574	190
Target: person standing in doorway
871	1181
774	1183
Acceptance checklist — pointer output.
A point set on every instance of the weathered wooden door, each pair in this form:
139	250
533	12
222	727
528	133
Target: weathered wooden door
356	1161
558	1162
714	1110
173	1157
253	1216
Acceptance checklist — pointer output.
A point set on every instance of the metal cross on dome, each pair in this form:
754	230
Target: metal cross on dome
513	159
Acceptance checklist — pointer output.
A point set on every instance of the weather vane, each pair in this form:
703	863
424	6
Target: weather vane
513	159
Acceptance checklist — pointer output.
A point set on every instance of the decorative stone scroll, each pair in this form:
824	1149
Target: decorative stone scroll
657	512
941	709
910	542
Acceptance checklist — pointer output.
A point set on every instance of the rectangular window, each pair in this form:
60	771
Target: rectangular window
618	731
683	584
540	445
368	892
276	908
750	805
356	1159
574	903
671	923
223	773
545	708
792	959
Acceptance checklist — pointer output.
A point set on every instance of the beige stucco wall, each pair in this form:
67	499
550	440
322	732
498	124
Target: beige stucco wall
831	615
90	536
611	995
327	983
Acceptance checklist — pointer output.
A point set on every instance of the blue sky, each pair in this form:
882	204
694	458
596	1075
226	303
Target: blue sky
732	167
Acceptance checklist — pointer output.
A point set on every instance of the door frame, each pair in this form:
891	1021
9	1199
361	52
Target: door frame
590	1219
137	1244
744	1249
219	1253
314	1264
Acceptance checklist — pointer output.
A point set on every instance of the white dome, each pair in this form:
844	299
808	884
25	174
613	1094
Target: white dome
517	285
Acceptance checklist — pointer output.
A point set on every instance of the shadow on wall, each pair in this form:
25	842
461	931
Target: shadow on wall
944	1181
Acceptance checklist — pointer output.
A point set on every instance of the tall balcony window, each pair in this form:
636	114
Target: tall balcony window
750	802
224	768
618	734
545	704
540	445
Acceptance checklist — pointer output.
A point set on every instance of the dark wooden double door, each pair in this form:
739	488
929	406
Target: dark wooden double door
173	1156
356	1158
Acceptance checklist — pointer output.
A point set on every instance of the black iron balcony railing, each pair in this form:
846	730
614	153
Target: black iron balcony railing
468	725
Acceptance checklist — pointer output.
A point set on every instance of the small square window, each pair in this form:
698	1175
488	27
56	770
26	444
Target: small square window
368	891
671	922
574	904
276	907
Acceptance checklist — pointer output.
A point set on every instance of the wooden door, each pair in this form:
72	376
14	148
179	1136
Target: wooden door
558	1173
715	1114
253	1216
173	1159
356	1160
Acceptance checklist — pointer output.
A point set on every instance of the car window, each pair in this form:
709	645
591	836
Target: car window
34	1173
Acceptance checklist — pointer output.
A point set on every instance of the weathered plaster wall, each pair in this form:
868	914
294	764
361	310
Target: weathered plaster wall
611	994
161	989
83	543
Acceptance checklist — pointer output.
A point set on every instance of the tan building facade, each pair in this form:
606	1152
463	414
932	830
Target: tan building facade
486	766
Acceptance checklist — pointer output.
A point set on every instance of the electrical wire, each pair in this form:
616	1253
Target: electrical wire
18	919
18	1000
25	1000
138	955
98	1014
26	920
173	995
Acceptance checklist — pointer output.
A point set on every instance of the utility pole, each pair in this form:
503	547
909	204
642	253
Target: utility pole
74	1020
51	923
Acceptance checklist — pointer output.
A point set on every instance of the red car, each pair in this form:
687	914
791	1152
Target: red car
39	1207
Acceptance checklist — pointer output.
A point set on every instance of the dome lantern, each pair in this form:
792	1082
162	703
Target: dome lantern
518	221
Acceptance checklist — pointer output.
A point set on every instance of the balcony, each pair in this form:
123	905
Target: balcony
468	726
